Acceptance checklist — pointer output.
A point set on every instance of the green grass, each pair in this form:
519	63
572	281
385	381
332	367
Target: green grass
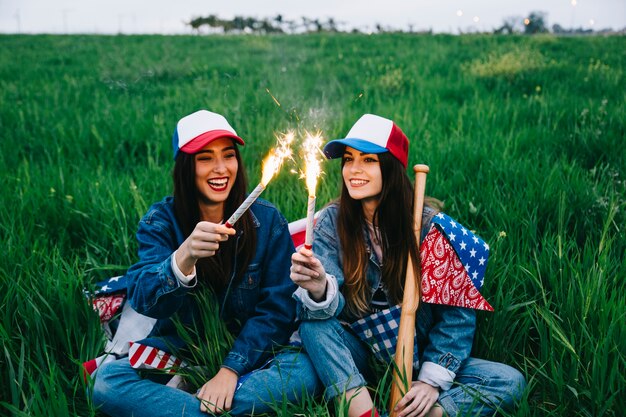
525	138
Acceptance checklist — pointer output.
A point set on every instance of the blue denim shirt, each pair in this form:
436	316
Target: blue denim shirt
445	334
260	303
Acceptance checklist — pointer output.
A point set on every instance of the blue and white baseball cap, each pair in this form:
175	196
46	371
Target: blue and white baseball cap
195	131
372	134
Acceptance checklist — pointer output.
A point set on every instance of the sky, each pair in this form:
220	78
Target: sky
170	17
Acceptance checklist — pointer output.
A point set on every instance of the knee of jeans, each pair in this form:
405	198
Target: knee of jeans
298	375
291	377
104	386
519	382
314	330
304	371
515	383
101	387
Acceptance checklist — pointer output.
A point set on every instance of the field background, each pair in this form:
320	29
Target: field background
525	138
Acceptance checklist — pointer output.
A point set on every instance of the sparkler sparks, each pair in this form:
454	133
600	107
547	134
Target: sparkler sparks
271	165
312	171
276	157
273	98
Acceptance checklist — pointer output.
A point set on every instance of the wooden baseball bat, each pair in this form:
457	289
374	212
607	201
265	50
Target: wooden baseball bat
403	370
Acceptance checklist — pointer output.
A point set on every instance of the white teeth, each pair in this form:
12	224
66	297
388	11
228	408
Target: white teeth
218	182
358	182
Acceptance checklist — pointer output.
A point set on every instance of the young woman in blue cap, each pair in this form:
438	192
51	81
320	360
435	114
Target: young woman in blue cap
357	266
184	247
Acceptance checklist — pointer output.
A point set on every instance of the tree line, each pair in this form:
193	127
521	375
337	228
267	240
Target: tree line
534	23
277	24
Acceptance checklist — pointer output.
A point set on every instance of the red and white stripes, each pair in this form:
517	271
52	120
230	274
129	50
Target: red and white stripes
147	357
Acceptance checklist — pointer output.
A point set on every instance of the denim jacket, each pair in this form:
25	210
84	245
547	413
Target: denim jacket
260	302
445	334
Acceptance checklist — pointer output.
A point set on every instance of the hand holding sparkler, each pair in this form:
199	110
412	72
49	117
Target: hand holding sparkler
271	165
308	272
203	242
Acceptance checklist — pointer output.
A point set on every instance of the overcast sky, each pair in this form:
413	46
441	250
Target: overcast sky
169	16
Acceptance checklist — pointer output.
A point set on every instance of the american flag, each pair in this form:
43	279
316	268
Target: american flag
453	261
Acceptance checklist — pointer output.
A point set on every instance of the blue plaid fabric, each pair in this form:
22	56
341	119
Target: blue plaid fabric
380	332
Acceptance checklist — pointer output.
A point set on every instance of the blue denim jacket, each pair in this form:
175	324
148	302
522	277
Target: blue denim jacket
260	303
445	334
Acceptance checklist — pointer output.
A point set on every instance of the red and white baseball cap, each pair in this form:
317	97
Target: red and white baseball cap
372	134
195	131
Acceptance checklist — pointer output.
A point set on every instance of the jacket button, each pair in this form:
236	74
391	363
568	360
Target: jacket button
170	281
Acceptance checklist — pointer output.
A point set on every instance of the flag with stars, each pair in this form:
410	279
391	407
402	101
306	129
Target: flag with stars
453	261
111	285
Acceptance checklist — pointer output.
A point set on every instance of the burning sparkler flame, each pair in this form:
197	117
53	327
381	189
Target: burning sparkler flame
271	165
312	170
276	157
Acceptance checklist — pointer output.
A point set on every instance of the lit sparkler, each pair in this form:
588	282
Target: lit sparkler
271	166
312	171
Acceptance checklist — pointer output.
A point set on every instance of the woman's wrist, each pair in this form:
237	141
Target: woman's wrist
186	263
319	294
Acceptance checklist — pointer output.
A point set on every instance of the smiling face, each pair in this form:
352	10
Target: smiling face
362	175
216	170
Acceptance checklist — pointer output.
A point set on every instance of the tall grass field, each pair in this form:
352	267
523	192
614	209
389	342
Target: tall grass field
524	136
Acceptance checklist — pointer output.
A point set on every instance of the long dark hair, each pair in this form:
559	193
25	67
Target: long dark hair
215	270
394	219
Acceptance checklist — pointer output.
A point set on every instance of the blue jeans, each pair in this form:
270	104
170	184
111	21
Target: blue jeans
341	361
120	391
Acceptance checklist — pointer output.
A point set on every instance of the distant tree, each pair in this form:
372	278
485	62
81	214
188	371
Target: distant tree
280	23
505	29
560	30
511	25
195	23
211	20
331	25
306	22
292	25
266	26
535	23
238	23
318	25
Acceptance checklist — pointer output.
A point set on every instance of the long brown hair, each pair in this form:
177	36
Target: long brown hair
394	219
215	270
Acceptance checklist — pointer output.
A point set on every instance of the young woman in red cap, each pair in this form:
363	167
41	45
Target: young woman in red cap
183	248
357	266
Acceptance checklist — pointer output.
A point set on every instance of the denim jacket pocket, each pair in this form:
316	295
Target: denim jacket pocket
246	295
251	278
